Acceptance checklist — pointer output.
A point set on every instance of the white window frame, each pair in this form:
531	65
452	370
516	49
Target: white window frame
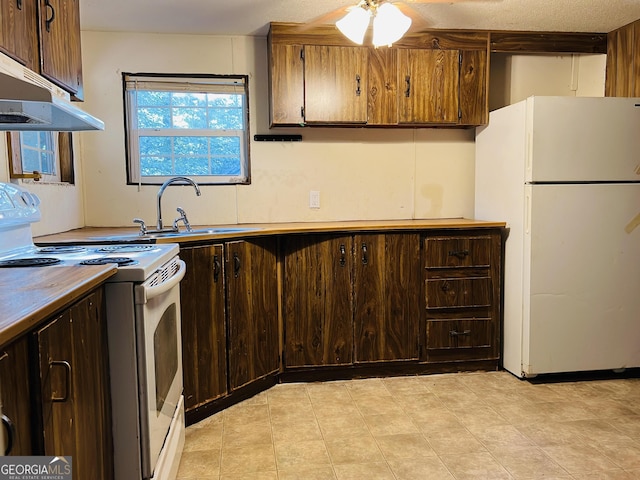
133	82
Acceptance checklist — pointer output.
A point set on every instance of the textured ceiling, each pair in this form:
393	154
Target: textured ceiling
251	17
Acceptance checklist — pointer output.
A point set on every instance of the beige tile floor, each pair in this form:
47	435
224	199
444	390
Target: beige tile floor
487	425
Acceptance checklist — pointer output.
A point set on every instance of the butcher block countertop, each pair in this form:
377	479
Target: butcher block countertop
130	234
29	295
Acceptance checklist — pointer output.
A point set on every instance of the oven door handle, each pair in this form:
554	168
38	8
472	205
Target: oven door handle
146	293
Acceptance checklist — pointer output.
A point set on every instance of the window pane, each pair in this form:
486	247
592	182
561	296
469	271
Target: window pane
153	99
30	160
156	165
226	119
154	145
154	118
190	99
190	118
192	166
191	146
227	146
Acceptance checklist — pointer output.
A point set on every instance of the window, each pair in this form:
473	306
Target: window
195	126
48	153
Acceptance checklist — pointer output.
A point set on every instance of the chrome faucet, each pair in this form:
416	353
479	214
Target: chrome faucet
182	180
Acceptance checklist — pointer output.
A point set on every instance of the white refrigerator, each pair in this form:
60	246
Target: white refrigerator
564	173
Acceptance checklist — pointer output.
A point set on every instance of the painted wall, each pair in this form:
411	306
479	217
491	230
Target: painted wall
360	173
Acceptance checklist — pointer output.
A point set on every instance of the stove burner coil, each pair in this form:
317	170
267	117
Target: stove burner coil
120	261
125	248
61	249
29	262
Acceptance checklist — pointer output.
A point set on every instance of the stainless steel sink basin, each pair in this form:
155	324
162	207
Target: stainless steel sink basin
199	231
134	237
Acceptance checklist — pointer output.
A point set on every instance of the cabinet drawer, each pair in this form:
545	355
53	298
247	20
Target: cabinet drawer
458	252
465	333
459	292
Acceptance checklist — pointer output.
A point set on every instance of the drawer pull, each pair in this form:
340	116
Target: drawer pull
454	333
216	268
365	258
67	387
459	254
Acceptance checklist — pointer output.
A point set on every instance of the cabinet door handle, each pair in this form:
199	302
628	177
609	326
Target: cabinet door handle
67	375
358	91
455	333
216	268
19	4
407	92
236	265
343	254
365	258
11	433
460	254
50	19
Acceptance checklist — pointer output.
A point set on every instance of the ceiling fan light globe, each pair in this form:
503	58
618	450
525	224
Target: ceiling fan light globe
354	24
389	25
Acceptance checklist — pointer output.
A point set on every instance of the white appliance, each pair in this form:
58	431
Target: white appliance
143	327
564	173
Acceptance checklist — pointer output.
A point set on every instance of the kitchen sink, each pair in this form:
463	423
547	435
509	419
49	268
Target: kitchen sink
199	231
136	237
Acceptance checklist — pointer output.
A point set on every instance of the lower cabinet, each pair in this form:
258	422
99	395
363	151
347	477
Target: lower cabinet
67	411
16	394
351	299
252	310
462	278
386	297
380	302
74	385
229	311
318	300
204	351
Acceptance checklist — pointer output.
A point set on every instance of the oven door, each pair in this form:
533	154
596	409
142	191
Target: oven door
159	357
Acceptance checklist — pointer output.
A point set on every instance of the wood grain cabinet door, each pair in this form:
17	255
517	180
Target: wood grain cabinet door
18	31
286	85
61	55
335	80
16	392
382	107
318	300
204	341
55	346
428	81
387	286
252	310
76	407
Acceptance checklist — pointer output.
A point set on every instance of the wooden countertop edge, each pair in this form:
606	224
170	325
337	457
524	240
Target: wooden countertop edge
98	234
19	320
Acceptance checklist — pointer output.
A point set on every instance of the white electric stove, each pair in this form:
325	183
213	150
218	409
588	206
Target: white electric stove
144	332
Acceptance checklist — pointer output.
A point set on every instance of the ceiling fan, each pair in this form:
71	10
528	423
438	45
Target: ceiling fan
390	19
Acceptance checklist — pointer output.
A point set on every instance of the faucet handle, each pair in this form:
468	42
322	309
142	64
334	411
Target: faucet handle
143	226
183	218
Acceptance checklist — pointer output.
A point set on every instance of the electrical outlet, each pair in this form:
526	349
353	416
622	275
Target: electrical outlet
314	199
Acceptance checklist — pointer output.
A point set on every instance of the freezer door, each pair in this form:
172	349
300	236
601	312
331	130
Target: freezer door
582	139
581	278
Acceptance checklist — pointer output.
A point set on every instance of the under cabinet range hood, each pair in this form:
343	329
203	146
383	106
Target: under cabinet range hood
30	102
